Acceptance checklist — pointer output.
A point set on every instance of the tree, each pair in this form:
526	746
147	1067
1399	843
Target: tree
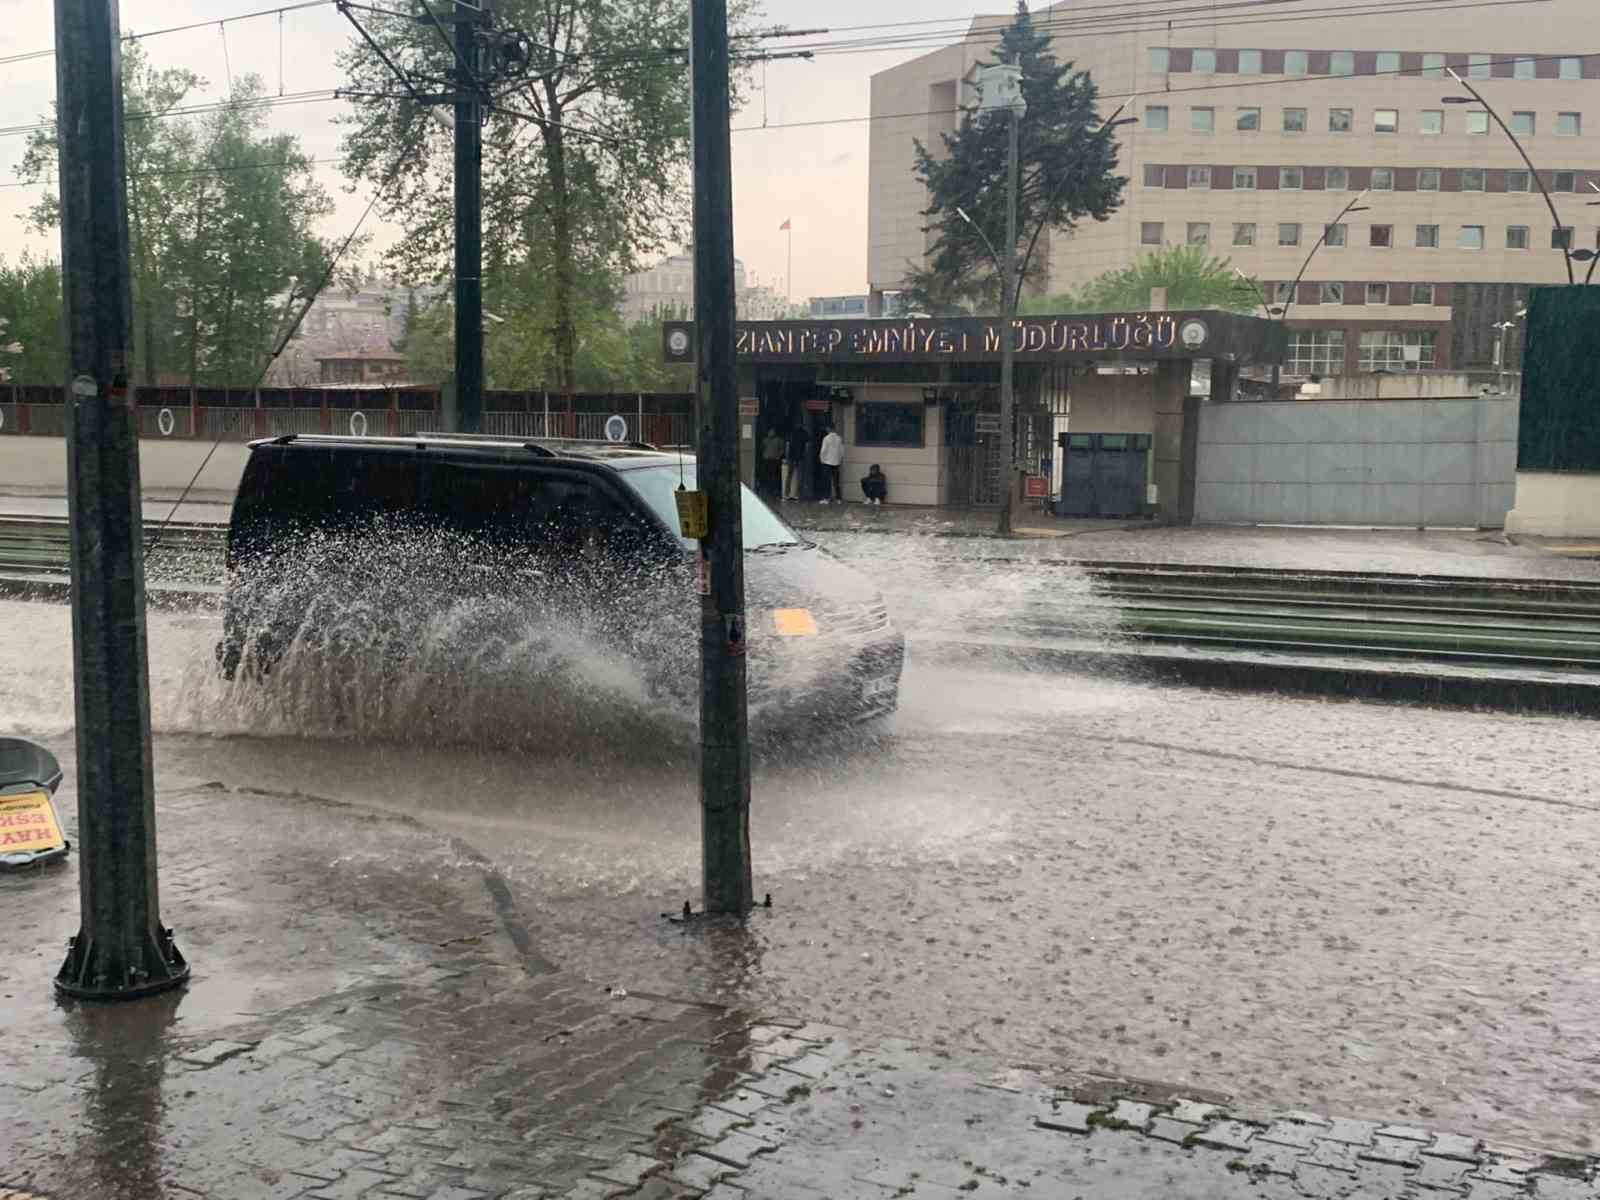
220	223
32	336
1068	164
585	161
1192	277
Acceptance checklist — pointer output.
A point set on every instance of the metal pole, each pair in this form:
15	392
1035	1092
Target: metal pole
122	950
724	713
469	224
1008	399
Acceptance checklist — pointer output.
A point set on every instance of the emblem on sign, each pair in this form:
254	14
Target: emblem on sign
616	428
678	342
1193	334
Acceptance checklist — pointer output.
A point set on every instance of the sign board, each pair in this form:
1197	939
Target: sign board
986	423
28	828
1036	487
616	428
749	407
817	405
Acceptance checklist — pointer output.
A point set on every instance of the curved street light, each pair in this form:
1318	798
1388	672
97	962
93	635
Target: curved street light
1354	206
1533	171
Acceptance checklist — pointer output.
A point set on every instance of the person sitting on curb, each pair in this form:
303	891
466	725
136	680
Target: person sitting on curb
875	485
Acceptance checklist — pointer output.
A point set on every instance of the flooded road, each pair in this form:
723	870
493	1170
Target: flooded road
1386	911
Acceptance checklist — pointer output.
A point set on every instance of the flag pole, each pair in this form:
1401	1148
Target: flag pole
789	278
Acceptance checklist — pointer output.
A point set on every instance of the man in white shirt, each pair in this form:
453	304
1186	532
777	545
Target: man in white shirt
831	455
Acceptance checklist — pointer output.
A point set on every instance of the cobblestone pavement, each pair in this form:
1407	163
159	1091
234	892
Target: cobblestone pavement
370	1017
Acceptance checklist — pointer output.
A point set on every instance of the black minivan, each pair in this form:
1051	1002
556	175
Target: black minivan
577	527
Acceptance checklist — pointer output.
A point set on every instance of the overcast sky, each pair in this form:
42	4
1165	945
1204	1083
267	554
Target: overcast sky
816	176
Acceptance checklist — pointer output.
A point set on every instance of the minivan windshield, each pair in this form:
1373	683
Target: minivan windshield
762	526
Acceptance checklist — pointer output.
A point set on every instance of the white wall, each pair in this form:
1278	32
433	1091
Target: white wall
915	474
1553	504
1358	462
38	466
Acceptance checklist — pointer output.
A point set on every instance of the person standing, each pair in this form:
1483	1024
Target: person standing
794	462
831	455
772	462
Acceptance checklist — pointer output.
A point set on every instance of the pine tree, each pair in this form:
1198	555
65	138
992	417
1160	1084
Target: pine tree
1068	173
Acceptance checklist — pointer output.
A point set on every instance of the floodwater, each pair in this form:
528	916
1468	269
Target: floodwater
1365	910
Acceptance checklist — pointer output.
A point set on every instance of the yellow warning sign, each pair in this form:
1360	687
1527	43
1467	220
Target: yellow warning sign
794	622
28	825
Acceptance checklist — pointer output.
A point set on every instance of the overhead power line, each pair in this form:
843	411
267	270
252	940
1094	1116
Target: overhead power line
138	37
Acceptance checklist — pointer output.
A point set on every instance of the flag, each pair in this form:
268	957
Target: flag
784	227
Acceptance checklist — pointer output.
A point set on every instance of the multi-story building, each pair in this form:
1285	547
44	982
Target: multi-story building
667	289
1253	133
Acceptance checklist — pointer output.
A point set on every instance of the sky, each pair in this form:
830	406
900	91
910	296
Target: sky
815	176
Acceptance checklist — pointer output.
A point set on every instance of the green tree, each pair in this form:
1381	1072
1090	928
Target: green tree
1068	173
585	163
220	222
32	334
1192	276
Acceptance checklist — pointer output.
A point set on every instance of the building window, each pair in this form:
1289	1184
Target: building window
1199	233
1397	349
1427	237
1381	236
1342	62
1377	293
1155	118
1151	233
1289	233
1470	238
1336	236
1386	120
1383	179
1477	121
1296	62
1291	179
880	424
1283	292
1248	120
1294	120
1518	181
1244	179
1200	178
1244	233
1315	352
1522	124
1430	120
1160	59
1572	68
1249	62
1433	66
1516	237
1337	179
1202	120
1561	238
1564	181
1205	62
1155	175
1472	179
1388	62
1330	293
1569	124
1341	119
1428	179
1523	68
1422	293
1479	66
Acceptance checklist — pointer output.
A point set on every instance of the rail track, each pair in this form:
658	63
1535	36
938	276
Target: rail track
1518	623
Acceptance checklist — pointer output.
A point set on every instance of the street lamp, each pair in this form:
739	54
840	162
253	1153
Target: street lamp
1354	206
1501	331
1533	171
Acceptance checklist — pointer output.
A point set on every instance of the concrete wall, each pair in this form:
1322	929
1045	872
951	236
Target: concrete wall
1342	462
1556	504
38	466
916	476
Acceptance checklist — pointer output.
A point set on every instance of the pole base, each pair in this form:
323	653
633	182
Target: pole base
88	975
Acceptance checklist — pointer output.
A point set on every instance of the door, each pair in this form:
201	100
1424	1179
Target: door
972	453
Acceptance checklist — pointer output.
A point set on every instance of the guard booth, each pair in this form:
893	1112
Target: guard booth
920	397
1104	474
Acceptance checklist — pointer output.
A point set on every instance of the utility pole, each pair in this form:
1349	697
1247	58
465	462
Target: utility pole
469	221
724	711
122	950
1008	352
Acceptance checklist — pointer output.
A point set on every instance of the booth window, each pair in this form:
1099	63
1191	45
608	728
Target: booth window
880	424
